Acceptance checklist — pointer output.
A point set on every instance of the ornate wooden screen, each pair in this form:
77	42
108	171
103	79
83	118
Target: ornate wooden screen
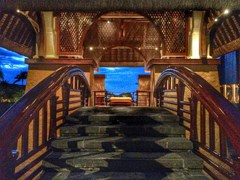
167	32
72	27
172	25
132	40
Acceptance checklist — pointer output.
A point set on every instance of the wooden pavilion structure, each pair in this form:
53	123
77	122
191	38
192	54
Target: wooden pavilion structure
154	34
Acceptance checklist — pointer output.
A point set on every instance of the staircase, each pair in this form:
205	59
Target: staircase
124	143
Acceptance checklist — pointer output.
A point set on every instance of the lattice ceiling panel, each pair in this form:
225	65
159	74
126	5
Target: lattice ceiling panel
72	28
134	33
172	25
122	55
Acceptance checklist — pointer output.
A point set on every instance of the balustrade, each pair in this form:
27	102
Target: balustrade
28	127
212	123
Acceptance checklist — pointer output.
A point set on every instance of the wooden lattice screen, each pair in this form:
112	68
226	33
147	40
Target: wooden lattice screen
168	31
72	28
132	33
172	25
17	34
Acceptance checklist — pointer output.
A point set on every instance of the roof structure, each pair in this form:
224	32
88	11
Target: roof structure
113	5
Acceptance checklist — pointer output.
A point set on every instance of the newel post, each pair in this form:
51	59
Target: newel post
65	97
159	97
236	166
7	164
53	112
180	95
84	97
193	125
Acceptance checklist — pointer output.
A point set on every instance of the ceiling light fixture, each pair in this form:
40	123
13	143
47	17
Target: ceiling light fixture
226	11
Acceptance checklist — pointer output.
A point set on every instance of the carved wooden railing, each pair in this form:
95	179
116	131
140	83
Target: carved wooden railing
211	122
232	93
27	128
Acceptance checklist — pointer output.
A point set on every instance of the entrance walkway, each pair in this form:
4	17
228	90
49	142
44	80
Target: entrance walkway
122	143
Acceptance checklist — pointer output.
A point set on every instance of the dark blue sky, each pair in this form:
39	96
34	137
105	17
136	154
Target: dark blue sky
118	79
121	79
11	64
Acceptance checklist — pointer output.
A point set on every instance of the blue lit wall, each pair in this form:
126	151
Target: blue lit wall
229	68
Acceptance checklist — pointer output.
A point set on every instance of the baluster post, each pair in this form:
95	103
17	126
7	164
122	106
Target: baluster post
65	96
53	112
193	125
137	97
7	165
149	99
180	96
84	100
236	166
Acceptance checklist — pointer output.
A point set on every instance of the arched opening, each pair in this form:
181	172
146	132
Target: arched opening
118	30
122	44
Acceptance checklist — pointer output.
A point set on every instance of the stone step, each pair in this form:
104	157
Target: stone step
118	143
122	161
91	175
120	110
118	115
122	143
123	130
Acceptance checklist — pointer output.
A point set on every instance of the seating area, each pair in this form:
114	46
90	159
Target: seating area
120	101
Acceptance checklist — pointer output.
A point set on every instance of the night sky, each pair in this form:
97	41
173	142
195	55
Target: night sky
11	64
118	79
121	79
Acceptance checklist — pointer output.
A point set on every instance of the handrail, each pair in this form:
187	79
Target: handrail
201	98
32	108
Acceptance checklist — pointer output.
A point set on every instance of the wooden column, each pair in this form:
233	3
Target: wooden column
195	45
49	36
